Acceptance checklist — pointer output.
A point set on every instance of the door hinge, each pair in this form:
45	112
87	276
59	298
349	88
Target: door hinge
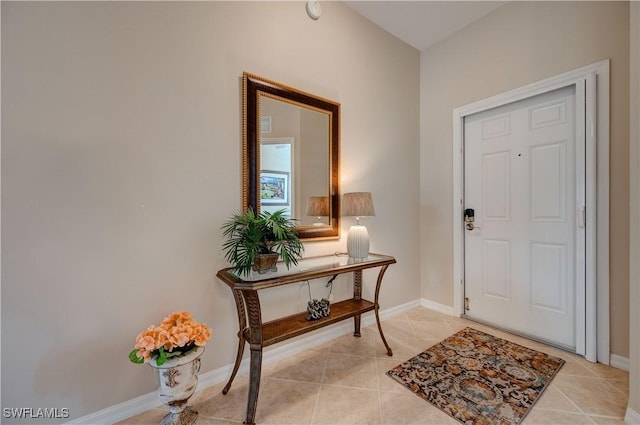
582	215
466	304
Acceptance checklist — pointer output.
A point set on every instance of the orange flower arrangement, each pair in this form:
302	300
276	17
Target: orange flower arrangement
178	334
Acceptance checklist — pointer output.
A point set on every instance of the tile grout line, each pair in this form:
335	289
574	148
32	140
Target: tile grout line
606	380
603	382
324	372
413	329
568	399
378	392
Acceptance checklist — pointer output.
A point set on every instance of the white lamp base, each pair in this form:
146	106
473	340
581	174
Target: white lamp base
358	242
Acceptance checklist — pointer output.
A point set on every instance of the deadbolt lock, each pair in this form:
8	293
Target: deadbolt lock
469	218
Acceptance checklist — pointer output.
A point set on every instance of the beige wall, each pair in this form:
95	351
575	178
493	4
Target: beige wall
517	44
121	159
634	253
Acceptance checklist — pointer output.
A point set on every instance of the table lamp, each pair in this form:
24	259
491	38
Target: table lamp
318	206
358	204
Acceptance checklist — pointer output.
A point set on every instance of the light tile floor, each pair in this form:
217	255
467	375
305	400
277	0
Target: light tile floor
344	382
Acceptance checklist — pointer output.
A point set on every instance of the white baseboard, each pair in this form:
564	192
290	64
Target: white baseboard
632	417
440	308
619	362
120	411
394	311
148	401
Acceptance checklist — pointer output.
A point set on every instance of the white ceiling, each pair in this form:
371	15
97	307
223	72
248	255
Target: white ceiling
423	23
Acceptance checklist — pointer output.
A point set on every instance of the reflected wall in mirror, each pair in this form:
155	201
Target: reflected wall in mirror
291	142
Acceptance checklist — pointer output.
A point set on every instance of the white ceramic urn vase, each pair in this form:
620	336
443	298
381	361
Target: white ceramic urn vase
178	381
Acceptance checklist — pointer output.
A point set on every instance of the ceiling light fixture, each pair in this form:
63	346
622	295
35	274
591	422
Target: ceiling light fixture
313	9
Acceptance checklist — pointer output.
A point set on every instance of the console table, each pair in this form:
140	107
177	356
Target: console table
259	335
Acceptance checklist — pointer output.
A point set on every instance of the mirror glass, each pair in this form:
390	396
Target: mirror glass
290	155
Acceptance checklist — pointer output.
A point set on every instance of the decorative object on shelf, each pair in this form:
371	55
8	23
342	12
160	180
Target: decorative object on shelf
266	263
318	206
358	204
319	309
173	349
251	235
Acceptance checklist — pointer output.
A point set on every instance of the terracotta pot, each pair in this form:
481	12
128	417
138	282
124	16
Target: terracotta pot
266	263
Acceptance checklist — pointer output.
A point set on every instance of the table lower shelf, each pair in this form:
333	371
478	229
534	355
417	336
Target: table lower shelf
297	324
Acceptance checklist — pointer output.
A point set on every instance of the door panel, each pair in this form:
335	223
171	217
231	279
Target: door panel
520	177
496	275
548	182
548	277
495	185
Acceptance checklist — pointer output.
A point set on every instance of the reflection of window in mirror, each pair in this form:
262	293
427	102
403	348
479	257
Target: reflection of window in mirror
308	161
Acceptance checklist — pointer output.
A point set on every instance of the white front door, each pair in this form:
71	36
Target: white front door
524	179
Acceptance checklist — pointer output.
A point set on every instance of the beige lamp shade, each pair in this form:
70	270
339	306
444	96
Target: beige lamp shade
318	206
357	204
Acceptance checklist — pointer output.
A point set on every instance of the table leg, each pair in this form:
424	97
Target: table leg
254	385
357	295
255	342
242	323
377	307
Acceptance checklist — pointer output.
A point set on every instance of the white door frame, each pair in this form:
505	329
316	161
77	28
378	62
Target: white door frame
595	79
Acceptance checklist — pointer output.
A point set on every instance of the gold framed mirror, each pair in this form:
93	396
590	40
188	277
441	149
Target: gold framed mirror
291	144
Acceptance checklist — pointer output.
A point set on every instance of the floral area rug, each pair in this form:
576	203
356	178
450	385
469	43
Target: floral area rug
479	379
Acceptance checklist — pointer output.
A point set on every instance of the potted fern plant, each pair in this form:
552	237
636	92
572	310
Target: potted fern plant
255	241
